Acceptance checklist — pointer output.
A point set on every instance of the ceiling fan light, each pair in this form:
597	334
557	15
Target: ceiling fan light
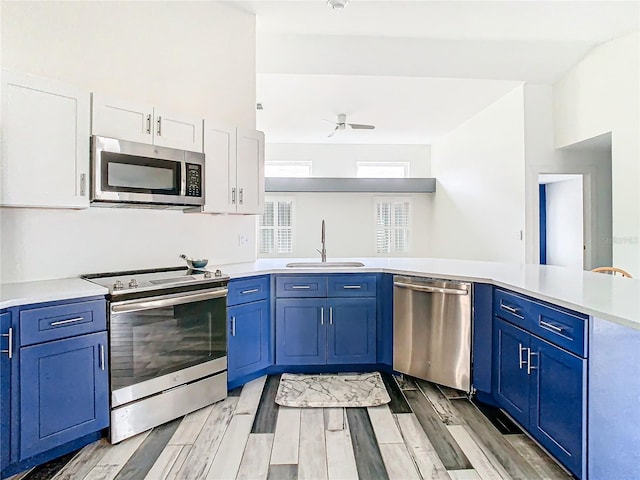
338	4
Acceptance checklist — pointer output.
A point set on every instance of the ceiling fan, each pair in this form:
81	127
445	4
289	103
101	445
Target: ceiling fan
341	124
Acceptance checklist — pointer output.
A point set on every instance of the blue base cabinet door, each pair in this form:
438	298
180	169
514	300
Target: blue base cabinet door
248	339
300	331
351	334
557	405
7	348
64	392
511	380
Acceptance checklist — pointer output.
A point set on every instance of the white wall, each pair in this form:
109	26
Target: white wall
478	209
593	162
602	94
564	223
191	57
350	216
350	225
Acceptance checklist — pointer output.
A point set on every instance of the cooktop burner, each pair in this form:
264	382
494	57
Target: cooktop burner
151	281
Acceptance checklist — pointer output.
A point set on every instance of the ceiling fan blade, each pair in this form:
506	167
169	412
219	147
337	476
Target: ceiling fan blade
334	131
359	126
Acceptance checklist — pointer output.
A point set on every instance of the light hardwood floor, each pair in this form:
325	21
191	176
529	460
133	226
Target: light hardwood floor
426	432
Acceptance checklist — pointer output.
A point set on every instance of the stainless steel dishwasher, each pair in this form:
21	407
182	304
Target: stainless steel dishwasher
432	330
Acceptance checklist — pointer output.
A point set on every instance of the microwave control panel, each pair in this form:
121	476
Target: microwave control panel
194	180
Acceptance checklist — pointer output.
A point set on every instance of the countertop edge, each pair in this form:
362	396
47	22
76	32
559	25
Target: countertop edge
27	293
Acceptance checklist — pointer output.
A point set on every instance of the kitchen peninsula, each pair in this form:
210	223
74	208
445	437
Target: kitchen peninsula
610	308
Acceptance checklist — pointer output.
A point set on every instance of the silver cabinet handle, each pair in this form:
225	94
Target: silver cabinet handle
529	366
356	287
330	315
300	287
253	290
159	122
553	327
233	196
149	123
509	309
240	196
233	326
83	184
101	357
66	322
321	315
520	350
425	288
9	350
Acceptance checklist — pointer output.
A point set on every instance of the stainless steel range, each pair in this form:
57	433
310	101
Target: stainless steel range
167	344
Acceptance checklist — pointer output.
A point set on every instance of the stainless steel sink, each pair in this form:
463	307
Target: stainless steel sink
324	264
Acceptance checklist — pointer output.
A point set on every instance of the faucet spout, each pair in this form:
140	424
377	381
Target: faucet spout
323	252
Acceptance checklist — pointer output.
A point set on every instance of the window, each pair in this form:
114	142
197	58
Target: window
382	169
287	169
275	230
392	224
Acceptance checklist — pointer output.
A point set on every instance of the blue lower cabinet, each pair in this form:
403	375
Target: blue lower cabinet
510	376
300	331
543	387
6	344
64	392
351	334
557	406
249	336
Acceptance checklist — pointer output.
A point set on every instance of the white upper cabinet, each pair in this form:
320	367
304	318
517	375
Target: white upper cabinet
219	169
250	171
115	118
45	143
177	131
144	123
234	170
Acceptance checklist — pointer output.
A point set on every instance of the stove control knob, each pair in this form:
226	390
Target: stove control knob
218	273
118	285
133	283
207	274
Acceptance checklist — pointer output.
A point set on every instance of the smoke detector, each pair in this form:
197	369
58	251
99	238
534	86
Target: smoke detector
338	4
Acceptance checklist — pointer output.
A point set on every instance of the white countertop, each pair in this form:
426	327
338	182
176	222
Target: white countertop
615	299
25	293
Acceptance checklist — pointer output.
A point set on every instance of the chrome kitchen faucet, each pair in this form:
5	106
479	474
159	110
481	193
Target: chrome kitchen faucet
323	252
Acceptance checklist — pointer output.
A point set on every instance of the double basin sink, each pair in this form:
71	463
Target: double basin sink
324	264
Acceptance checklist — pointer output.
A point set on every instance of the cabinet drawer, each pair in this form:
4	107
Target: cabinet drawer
301	286
248	290
561	327
52	322
352	285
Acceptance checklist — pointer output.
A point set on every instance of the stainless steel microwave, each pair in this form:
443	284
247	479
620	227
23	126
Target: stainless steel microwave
141	175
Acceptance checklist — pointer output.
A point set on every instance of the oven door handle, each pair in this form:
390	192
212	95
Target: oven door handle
167	300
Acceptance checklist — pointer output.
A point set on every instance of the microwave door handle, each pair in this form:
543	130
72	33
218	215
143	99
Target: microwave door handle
183	179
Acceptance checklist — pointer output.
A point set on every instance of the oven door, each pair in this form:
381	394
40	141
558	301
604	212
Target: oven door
158	343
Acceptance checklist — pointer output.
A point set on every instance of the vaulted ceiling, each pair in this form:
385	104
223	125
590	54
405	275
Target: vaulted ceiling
416	69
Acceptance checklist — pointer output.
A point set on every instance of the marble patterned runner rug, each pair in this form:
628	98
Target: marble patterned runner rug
332	390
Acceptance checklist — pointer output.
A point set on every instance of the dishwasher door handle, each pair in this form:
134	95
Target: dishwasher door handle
425	288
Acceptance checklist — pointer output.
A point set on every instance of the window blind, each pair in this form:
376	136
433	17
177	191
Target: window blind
276	227
392	225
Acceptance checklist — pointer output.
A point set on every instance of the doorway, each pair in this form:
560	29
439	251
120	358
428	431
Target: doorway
562	239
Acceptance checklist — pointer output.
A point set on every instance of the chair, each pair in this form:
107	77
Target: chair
612	271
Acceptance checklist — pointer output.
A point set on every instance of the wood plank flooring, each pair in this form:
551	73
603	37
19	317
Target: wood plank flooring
425	432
